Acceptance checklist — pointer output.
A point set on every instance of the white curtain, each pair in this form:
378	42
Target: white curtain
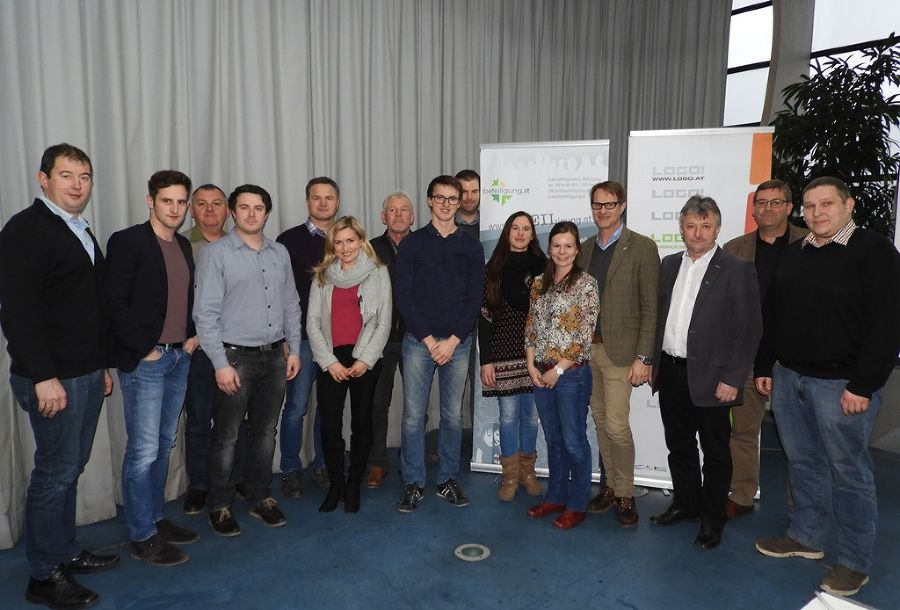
379	94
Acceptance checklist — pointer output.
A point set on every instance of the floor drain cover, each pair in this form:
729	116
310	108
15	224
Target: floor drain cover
472	552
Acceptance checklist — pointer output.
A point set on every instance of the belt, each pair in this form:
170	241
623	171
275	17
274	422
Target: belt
674	359
546	366
257	348
170	346
597	338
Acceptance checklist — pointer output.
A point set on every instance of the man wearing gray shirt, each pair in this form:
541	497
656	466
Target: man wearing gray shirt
246	309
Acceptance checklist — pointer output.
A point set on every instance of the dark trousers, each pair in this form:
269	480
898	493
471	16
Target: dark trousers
262	376
381	403
331	395
62	449
198	410
683	422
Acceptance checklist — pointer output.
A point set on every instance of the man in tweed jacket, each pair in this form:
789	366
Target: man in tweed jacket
626	267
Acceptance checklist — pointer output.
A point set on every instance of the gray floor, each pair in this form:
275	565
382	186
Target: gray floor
380	558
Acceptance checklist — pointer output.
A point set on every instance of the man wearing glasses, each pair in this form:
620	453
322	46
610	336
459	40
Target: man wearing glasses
626	267
765	246
439	275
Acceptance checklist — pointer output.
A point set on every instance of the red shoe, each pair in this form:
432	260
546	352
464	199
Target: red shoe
568	520
545	508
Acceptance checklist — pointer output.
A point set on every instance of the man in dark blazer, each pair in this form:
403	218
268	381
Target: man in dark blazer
398	216
150	294
765	246
626	267
707	332
55	324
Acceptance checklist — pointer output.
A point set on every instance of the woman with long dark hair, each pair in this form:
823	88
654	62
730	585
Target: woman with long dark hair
348	324
565	302
516	261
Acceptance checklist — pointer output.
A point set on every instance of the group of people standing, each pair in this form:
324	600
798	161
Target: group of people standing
258	321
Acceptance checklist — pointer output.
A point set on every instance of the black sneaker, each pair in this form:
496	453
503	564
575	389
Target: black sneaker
157	551
224	523
194	500
174	534
451	492
268	511
292	485
412	495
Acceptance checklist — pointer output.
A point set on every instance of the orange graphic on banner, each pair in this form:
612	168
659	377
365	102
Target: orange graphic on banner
760	171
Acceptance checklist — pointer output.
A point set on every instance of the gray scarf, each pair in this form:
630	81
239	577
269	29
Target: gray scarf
354	276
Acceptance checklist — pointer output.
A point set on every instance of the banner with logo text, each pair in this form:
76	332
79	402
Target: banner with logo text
665	168
551	181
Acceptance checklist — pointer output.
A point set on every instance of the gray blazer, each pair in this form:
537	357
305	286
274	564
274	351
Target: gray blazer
375	306
726	326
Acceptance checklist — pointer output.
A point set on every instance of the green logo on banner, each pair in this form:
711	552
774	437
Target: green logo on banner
499	194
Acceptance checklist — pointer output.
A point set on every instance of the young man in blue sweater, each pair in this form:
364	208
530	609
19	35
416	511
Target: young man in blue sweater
439	277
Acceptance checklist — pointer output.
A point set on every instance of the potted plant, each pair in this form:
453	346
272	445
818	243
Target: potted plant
837	122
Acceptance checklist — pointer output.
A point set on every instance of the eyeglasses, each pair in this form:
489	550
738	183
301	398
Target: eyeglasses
609	205
440	200
772	203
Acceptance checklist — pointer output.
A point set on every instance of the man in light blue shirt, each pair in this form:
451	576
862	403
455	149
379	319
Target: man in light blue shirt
247	312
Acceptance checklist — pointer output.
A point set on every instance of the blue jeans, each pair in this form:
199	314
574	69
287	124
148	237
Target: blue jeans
198	411
62	448
829	465
262	376
296	405
563	410
153	394
518	424
418	372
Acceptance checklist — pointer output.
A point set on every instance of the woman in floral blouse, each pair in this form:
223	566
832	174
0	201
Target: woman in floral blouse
564	307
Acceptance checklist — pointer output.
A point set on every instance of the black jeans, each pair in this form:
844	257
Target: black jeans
381	404
332	395
198	409
262	376
683	422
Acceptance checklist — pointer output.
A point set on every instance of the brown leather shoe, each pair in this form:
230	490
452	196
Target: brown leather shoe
627	512
602	501
376	477
568	520
733	510
545	508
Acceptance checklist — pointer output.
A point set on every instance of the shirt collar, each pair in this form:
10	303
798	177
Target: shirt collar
197	234
72	219
313	229
615	237
460	221
236	242
842	237
703	259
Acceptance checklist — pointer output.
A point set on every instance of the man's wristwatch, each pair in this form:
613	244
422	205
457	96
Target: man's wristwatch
645	359
559	370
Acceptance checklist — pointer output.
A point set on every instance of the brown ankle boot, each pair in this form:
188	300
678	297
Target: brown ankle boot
510	477
526	474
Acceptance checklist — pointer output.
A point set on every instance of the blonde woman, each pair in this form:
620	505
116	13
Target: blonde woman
348	323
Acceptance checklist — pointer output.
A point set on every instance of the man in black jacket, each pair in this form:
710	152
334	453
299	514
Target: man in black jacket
150	294
54	320
397	215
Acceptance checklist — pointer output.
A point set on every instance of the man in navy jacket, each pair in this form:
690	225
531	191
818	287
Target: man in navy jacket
150	297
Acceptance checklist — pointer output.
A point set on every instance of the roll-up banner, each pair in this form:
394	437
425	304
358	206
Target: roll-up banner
551	181
665	168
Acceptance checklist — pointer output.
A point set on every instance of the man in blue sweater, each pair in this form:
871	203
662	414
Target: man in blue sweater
439	277
844	284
